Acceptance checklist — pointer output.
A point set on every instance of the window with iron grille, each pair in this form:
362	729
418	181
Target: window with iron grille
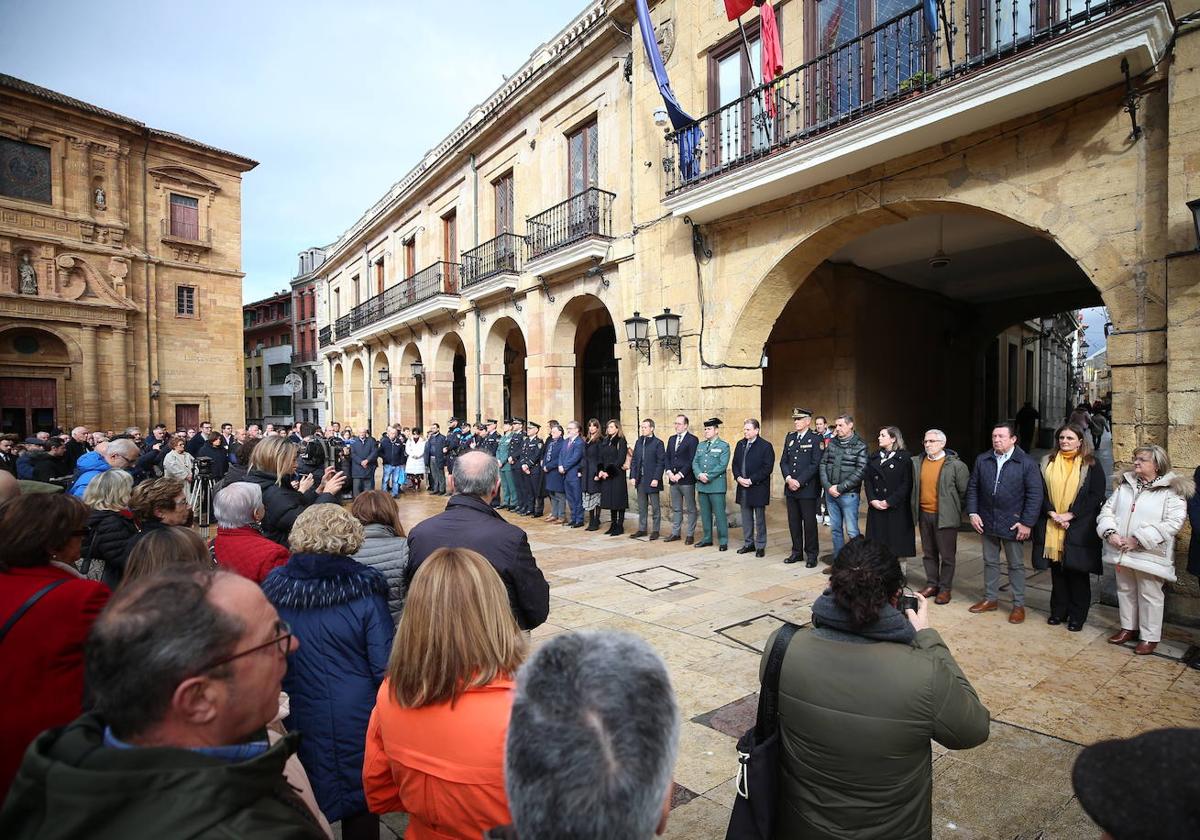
185	301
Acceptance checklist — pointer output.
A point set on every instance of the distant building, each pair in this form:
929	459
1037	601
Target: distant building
307	296
1097	377
120	269
267	339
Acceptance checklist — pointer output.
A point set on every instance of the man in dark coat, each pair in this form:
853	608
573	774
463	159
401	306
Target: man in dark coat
529	479
681	450
800	464
842	468
1004	500
645	474
435	460
394	457
572	460
1193	509
199	439
364	457
470	522
753	462
78	445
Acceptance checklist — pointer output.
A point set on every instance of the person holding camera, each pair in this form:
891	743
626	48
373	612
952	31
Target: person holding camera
860	696
285	495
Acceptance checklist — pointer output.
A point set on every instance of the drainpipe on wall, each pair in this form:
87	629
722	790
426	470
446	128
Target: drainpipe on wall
475	244
151	362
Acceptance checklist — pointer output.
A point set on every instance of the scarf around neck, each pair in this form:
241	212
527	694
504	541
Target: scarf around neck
891	626
1062	482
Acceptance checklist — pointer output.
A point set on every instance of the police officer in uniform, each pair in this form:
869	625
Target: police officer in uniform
531	470
711	465
799	464
516	445
491	440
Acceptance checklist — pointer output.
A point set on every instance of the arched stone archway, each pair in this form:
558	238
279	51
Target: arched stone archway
355	399
585	382
505	382
35	366
447	381
337	394
410	405
381	416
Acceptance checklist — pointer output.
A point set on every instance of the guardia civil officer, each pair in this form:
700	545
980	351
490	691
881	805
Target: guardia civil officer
516	446
800	464
711	465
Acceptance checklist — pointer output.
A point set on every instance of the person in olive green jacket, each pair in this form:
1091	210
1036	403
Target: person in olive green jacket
508	482
710	465
937	508
860	696
185	670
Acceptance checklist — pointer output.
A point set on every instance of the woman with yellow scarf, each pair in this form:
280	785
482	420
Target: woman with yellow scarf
1065	539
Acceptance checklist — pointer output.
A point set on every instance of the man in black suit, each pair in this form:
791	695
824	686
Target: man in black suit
681	449
800	463
645	474
753	461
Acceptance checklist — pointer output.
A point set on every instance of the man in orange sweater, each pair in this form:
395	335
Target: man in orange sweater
939	492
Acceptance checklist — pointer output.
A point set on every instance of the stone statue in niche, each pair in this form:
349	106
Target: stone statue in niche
100	199
28	276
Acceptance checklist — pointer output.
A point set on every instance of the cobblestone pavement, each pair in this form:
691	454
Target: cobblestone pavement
708	613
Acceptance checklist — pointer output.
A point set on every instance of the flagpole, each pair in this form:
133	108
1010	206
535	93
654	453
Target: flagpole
762	105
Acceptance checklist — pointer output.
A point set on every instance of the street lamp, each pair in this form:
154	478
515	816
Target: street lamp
155	389
666	326
418	370
637	330
385	378
661	118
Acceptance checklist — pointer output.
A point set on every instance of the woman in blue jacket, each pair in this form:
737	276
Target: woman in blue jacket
337	609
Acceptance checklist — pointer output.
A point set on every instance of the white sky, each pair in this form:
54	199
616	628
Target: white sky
336	100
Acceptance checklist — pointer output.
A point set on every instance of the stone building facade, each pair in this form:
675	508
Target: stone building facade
307	295
120	269
267	330
867	225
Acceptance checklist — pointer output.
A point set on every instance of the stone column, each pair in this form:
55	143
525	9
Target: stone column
90	401
492	388
119	393
550	386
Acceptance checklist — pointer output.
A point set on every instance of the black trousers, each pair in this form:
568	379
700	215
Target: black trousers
1070	593
524	491
802	522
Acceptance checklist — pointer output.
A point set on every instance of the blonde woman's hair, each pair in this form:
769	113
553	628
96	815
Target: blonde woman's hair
165	549
109	491
325	529
457	631
274	456
1162	461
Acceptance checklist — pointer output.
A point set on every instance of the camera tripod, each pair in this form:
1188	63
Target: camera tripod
201	503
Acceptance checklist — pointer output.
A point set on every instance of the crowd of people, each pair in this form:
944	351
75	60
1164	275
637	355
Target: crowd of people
343	668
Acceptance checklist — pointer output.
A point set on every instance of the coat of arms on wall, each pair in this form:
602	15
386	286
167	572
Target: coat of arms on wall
665	35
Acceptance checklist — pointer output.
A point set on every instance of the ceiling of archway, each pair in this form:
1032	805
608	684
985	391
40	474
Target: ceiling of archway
991	258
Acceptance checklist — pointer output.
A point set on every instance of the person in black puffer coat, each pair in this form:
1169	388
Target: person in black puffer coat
273	467
215	449
109	527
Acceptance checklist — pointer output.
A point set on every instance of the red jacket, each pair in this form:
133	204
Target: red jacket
41	658
248	552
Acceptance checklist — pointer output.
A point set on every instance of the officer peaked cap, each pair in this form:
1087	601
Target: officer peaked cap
712	421
800	413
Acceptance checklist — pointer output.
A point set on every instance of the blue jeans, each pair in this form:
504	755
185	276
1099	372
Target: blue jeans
393	478
844	508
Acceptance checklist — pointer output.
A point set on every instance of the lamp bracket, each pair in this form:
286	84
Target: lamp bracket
699	243
425	324
642	346
512	298
545	286
1132	101
672	345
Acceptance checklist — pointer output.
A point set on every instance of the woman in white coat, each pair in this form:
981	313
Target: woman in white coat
1138	524
415	466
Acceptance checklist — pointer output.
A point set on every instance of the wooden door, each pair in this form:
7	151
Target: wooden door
27	406
187	415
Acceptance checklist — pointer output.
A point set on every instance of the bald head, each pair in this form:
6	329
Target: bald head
476	474
9	489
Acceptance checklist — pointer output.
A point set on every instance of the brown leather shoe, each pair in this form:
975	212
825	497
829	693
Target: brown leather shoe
929	591
689	540
1017	615
549	518
1145	648
943	597
983	606
1122	636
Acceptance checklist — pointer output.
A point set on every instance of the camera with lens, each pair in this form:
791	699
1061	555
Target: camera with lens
312	456
204	467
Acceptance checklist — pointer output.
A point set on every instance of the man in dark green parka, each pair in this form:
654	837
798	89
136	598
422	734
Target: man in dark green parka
860	696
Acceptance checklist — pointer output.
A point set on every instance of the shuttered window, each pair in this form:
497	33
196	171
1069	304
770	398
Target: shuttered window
185	217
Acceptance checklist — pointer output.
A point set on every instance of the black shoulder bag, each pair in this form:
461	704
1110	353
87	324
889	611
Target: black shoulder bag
753	816
33	599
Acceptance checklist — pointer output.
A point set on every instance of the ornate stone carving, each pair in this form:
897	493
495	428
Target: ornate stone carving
100	199
27	276
664	33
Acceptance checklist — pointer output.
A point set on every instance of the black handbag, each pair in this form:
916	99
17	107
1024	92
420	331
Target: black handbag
753	816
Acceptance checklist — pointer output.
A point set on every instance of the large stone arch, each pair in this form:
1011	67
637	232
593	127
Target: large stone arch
355	399
42	356
441	382
337	394
409	405
571	387
504	374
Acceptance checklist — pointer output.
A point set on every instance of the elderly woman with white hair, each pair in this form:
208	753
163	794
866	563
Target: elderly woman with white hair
338	608
239	545
1138	524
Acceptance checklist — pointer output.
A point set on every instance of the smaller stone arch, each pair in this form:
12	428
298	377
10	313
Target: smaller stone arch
337	400
53	344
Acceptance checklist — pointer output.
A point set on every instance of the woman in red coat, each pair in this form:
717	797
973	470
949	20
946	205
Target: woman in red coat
239	545
46	611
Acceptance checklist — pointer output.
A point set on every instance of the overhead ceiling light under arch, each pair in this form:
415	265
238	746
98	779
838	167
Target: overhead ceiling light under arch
939	260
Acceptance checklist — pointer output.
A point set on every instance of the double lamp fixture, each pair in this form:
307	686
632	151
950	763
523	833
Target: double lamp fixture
666	325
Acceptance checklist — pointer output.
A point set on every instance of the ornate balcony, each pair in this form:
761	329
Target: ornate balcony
325	336
897	89
430	290
492	266
570	233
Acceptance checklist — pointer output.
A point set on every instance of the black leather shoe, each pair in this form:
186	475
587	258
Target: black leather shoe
637	535
1054	621
792	558
762	552
746	549
703	544
723	548
1074	626
810	563
671	538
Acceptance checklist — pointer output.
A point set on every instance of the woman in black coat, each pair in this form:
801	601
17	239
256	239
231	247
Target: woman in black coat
1080	553
273	468
110	526
888	482
215	449
590	467
614	458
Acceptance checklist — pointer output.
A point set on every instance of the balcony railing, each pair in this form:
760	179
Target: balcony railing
585	214
895	60
325	336
496	256
182	230
441	278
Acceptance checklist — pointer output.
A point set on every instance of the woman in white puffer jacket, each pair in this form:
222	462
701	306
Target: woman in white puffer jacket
1138	524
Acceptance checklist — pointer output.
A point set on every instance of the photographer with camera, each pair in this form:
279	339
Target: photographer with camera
313	455
860	695
273	466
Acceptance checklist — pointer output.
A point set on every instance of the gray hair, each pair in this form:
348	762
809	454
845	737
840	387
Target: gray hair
575	766
937	433
235	505
1162	461
476	474
109	491
123	446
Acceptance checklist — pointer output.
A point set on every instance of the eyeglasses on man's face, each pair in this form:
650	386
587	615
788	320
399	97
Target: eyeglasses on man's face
282	642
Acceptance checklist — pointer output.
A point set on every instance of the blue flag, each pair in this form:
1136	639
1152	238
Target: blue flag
689	140
931	16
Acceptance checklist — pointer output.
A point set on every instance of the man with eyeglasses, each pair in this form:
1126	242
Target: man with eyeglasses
938	495
197	441
119	454
185	671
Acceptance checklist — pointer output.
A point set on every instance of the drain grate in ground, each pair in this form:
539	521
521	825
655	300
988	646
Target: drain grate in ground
753	632
732	719
656	578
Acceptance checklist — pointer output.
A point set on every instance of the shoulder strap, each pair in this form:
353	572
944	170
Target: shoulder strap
24	608
768	694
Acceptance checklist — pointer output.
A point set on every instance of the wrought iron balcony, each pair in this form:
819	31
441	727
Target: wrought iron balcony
897	60
185	232
441	278
496	256
581	216
325	336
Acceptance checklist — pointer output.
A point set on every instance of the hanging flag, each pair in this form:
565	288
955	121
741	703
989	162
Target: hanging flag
772	52
734	9
931	16
689	139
